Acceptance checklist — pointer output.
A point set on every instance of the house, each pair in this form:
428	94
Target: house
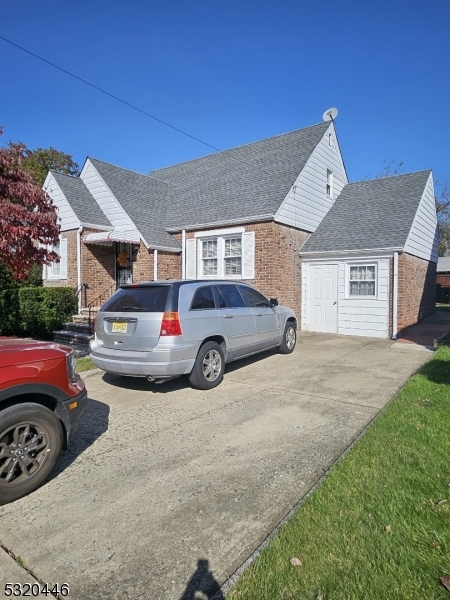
279	213
443	279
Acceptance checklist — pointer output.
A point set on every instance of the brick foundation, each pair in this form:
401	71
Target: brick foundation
416	290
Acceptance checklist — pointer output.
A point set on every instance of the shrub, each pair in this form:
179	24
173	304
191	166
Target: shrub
10	318
44	310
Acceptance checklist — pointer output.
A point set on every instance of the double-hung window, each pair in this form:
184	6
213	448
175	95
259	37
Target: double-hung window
55	267
221	254
221	257
329	183
362	280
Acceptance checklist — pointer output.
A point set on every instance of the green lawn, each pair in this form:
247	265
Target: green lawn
84	364
378	528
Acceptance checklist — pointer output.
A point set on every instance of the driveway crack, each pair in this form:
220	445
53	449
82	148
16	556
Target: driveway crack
19	561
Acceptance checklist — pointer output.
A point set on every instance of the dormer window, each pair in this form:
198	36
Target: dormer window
329	183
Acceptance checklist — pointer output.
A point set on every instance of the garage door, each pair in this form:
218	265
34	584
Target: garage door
322	309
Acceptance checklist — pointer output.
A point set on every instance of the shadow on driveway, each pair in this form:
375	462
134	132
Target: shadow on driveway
179	383
93	423
202	584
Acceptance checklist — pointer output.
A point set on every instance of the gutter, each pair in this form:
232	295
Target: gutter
395	298
79	231
155	265
242	221
362	251
183	254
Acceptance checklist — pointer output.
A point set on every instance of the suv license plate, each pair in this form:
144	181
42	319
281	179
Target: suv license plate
119	327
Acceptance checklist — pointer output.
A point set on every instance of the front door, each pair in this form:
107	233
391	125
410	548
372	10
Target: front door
124	264
322	313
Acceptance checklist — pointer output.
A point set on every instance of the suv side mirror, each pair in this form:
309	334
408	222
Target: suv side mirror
273	302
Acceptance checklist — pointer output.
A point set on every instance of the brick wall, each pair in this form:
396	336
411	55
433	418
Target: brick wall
98	266
416	289
169	265
443	279
143	266
72	274
277	263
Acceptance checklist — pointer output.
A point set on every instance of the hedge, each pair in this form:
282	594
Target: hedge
10	321
36	311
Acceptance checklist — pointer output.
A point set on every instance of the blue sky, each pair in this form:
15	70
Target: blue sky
229	72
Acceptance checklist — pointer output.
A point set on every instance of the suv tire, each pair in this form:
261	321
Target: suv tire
33	432
209	367
289	338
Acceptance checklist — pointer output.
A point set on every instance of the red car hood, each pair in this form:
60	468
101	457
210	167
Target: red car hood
17	350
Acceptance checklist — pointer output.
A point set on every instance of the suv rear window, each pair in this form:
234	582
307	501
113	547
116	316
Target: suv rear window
138	299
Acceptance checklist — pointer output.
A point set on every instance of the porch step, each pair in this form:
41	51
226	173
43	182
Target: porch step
74	334
77	326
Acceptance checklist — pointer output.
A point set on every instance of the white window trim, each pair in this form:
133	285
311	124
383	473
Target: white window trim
219	232
50	273
220	255
348	281
331	178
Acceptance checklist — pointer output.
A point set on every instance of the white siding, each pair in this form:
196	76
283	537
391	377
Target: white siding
423	238
66	217
365	316
307	202
105	198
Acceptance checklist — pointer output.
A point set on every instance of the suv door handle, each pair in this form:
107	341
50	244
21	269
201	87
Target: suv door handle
258	314
227	316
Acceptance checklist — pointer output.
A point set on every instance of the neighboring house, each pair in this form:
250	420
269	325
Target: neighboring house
443	279
245	214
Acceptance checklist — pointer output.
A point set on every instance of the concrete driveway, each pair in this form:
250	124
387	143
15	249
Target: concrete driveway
167	490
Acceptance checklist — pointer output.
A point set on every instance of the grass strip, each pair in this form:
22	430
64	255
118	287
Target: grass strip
379	525
84	363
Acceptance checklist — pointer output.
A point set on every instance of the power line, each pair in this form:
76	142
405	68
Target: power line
109	94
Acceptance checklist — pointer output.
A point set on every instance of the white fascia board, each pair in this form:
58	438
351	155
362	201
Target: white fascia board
338	149
346	254
99	227
254	219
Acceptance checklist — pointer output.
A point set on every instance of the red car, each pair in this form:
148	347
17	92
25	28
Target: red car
41	400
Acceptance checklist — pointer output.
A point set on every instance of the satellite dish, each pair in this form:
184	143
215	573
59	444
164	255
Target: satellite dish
330	114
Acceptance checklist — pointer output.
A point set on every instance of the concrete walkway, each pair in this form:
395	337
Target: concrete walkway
167	490
430	329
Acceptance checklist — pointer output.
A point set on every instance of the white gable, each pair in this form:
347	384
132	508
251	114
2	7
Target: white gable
105	198
67	219
423	238
307	202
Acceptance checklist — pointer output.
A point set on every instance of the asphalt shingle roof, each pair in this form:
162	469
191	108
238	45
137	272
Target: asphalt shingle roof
81	200
443	264
143	198
370	215
240	183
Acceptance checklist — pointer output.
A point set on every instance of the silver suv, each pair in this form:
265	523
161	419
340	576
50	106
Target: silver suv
163	329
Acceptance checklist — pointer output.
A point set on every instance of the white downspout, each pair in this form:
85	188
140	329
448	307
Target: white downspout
155	265
183	254
395	298
80	229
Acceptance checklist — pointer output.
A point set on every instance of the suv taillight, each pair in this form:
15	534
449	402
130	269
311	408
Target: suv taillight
170	324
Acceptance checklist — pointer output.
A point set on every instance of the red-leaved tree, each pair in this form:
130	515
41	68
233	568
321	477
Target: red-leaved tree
28	219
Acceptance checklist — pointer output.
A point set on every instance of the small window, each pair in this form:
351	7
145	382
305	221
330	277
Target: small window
231	296
203	299
253	298
329	182
55	268
362	280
